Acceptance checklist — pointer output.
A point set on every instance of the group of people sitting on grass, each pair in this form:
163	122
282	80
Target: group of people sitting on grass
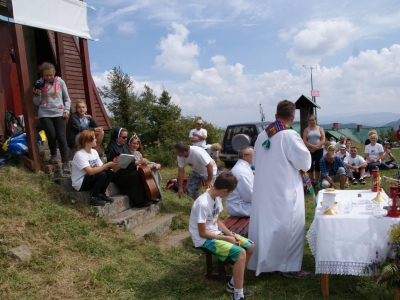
334	163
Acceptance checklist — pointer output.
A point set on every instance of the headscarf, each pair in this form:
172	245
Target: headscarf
113	148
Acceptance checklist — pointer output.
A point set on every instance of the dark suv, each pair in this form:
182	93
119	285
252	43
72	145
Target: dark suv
237	136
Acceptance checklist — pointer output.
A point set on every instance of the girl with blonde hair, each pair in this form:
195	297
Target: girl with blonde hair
80	121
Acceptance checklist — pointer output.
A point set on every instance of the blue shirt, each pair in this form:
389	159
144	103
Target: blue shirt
326	167
84	123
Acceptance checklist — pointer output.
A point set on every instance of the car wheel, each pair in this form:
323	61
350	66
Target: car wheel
240	140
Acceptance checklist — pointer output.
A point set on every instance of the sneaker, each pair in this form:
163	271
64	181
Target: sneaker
106	198
65	168
53	160
354	181
241	298
361	181
246	292
97	202
367	174
297	275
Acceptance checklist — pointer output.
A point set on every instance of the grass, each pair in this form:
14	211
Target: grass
79	256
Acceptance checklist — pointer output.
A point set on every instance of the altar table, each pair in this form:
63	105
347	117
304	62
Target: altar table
345	244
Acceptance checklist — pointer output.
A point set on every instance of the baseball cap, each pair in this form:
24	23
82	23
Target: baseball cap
342	147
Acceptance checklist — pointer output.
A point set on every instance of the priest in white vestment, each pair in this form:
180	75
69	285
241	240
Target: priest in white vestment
238	203
277	219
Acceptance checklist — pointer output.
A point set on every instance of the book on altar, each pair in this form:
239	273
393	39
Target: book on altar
124	160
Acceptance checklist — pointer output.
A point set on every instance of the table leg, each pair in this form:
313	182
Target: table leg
325	284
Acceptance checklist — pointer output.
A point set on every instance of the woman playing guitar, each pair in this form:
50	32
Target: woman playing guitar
149	170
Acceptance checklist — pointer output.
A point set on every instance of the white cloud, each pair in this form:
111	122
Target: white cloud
177	53
126	27
319	39
224	94
211	42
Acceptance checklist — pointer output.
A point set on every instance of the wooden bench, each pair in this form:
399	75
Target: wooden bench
234	224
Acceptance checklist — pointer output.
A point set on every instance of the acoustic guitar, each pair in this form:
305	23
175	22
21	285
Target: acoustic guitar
150	187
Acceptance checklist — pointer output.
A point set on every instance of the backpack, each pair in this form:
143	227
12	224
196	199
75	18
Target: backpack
13	124
173	185
18	145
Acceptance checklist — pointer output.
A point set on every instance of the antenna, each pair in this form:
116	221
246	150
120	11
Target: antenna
312	88
262	113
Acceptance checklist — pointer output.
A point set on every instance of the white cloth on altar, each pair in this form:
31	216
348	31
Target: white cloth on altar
238	203
345	244
277	219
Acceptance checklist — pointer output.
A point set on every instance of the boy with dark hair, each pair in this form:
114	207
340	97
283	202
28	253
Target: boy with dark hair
209	233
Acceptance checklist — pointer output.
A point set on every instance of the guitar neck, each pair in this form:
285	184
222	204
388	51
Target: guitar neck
391	179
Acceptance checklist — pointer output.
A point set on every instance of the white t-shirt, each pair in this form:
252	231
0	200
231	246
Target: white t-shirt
373	151
344	155
356	161
204	210
210	152
81	160
338	144
201	143
198	160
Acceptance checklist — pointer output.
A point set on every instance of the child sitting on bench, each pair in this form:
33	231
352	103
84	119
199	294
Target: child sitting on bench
209	233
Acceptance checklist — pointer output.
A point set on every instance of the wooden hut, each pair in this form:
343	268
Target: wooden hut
306	106
31	46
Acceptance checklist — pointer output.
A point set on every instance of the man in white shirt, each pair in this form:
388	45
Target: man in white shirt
356	165
238	203
342	142
198	135
203	168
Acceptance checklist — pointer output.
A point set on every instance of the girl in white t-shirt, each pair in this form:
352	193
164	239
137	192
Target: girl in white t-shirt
88	171
373	153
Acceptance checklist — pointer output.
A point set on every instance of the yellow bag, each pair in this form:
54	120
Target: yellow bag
43	135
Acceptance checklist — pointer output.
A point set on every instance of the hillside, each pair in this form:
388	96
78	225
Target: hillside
77	255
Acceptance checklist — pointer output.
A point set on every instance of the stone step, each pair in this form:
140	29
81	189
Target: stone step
133	217
120	204
45	155
55	171
158	227
174	239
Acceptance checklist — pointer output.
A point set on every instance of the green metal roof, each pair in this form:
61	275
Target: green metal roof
357	135
296	126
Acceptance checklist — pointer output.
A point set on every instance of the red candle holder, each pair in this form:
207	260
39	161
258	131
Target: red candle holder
375	178
394	213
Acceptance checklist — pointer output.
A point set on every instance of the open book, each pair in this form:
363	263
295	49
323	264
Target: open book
124	160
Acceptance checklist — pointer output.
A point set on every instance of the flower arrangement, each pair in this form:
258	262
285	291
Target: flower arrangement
387	271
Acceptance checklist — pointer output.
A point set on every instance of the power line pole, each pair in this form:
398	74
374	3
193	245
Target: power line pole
312	88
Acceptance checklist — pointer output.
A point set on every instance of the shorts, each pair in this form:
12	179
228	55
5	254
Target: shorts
77	139
225	251
194	182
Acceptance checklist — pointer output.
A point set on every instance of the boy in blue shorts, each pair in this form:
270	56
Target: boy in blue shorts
210	233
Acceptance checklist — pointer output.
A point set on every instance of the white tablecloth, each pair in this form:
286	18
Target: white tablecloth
347	243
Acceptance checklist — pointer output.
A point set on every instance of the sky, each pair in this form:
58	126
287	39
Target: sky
221	59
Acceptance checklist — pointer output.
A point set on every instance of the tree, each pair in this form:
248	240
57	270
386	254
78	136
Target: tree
123	98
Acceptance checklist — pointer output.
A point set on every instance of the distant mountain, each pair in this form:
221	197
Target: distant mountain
377	119
394	124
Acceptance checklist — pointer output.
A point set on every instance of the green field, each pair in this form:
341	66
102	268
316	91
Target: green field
77	255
